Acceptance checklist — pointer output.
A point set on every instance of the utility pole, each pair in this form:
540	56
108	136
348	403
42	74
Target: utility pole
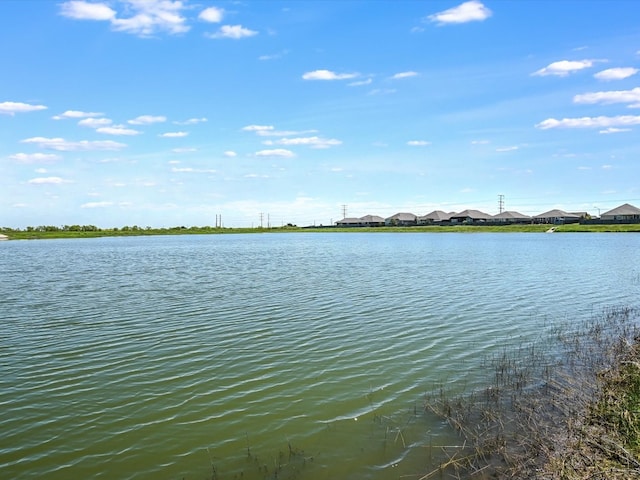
501	203
261	216
268	220
344	211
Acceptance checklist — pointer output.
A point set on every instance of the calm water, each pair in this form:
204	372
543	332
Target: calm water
159	357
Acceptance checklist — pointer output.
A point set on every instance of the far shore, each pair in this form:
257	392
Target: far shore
35	234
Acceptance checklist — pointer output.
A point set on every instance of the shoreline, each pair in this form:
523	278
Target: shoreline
115	232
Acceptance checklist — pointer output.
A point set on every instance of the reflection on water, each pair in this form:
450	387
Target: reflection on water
305	355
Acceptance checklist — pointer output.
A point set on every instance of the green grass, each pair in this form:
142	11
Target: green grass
528	228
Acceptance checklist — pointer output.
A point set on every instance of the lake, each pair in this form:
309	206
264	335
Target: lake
305	355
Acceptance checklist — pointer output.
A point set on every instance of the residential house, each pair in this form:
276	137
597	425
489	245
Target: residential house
470	217
372	221
348	222
435	217
623	213
511	216
557	217
401	220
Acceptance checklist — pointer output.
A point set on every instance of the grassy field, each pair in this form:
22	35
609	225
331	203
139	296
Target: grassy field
37	234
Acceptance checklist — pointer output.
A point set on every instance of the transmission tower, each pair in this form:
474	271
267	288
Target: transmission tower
500	203
344	211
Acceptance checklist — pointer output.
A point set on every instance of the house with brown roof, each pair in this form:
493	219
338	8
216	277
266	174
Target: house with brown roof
511	216
470	217
401	220
435	217
556	216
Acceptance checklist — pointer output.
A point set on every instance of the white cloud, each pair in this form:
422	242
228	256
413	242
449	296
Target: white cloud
147	120
96	205
184	150
118	130
80	10
274	56
211	15
368	81
590	122
480	142
418	143
277	152
257	128
76	114
230	154
616	73
62	145
192	170
11	108
95	122
563	68
314	142
614	130
382	91
615	96
472	11
327	75
34	157
47	181
146	17
507	149
192	121
400	75
233	31
174	134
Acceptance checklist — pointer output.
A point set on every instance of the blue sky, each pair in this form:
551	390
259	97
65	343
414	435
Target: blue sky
162	113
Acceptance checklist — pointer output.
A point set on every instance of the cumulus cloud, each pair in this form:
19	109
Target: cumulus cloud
472	11
230	154
563	68
144	18
34	157
418	143
277	152
11	108
400	75
62	145
80	10
257	128
616	73
174	134
590	122
147	120
632	97
76	114
211	15
327	75
47	181
234	32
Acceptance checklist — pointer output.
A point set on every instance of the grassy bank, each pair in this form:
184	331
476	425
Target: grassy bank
568	408
116	232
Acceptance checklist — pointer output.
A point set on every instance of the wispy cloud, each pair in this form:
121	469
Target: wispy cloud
507	149
192	121
614	130
173	134
11	108
234	32
34	157
230	154
184	150
147	120
327	75
47	181
93	122
118	130
563	68
274	56
144	18
418	143
76	114
472	11
277	152
62	145
359	83
590	122
97	204
616	73
631	97
313	142
401	75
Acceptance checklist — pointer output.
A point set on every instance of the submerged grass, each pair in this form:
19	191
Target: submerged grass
566	409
